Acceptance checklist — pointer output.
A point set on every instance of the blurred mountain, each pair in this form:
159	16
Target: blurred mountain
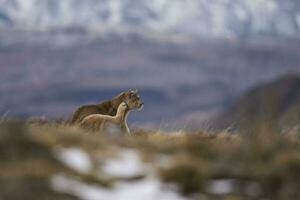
197	18
178	83
276	102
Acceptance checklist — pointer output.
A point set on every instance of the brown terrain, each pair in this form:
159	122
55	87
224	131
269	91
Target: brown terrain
276	102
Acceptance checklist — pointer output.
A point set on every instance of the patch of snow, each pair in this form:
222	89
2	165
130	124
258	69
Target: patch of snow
147	189
221	18
74	158
115	9
127	164
221	187
285	26
62	183
163	161
263	14
241	13
298	20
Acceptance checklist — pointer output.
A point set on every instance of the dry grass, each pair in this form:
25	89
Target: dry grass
268	160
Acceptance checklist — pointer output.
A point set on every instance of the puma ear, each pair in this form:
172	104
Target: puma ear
135	91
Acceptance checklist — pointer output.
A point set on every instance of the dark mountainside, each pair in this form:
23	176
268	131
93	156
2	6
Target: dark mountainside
276	102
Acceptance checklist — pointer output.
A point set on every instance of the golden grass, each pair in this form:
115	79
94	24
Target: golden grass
267	158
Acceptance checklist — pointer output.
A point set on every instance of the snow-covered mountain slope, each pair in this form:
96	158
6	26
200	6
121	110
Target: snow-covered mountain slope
199	18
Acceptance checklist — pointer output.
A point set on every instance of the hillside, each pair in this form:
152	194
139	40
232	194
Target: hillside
47	160
276	102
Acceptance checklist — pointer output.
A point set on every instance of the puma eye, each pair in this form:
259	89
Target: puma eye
133	95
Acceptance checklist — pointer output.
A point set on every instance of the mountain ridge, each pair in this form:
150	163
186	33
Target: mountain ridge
192	18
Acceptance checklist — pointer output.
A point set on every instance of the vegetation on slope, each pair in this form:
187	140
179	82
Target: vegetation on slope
258	165
276	102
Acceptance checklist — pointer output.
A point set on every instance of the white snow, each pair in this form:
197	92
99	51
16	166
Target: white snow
221	187
285	26
126	164
204	17
241	13
74	158
298	20
147	189
62	183
115	9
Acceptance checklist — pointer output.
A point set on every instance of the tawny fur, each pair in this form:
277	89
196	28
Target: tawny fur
108	107
106	123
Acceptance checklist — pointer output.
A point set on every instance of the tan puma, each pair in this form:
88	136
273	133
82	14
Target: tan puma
108	107
109	124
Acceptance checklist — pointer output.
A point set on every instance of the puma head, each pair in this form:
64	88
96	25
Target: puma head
133	100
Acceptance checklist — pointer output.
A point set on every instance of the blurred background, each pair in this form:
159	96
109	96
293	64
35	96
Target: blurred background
192	60
199	65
